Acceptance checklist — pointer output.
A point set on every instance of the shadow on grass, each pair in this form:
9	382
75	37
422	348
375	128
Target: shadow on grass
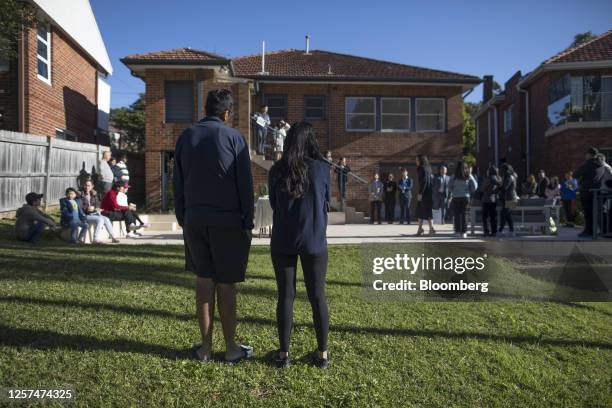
32	338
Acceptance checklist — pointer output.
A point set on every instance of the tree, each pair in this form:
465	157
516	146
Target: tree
130	123
15	15
496	87
582	38
469	132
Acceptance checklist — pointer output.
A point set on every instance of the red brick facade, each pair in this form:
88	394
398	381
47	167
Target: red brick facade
554	150
68	103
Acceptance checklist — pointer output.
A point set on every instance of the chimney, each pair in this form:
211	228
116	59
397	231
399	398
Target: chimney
487	88
307	44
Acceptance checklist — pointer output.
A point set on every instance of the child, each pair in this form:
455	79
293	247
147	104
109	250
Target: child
73	217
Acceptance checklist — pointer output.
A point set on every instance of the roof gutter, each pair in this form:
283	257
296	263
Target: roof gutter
560	66
487	105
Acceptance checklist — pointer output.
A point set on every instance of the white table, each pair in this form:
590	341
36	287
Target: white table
263	215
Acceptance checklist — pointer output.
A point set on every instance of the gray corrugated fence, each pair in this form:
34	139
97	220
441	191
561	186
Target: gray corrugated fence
42	164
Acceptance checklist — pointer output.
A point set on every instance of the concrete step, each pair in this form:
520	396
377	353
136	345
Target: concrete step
336	218
151	218
164	226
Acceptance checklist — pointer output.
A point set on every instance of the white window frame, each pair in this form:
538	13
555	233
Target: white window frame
508	119
67	132
382	114
417	114
47	42
347	114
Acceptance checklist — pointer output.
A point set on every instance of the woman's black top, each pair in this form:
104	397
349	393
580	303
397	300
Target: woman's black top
300	224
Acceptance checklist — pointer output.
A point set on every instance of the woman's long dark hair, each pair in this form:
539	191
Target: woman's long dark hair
290	173
424	162
461	171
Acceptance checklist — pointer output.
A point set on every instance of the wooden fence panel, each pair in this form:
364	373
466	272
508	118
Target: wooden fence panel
41	164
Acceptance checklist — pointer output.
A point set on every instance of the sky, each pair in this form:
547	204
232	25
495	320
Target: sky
471	37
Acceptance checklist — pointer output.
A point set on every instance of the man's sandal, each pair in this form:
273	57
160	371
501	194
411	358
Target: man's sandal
247	352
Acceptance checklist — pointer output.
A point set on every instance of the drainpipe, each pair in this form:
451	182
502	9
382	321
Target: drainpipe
527	136
496	134
21	82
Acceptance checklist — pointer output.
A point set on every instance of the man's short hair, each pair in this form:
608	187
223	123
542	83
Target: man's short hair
219	101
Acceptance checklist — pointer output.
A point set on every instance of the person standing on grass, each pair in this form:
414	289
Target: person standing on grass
31	220
424	210
213	198
390	191
405	196
589	176
375	191
299	194
490	189
106	174
462	186
569	188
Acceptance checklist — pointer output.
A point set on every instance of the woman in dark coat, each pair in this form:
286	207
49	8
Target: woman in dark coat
425	194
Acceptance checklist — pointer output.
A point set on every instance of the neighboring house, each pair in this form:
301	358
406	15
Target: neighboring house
56	86
378	114
548	118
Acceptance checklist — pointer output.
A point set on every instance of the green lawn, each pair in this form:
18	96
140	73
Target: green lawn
115	323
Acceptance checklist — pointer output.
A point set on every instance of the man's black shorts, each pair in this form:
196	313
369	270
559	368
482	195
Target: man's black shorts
217	252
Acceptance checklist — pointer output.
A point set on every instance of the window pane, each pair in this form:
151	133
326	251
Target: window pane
315	113
361	122
430	106
429	123
42	49
275	101
359	105
395	122
395	106
43	69
277	113
42	31
606	106
314	102
179	101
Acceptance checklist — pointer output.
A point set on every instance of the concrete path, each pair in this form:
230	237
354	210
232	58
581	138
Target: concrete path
359	233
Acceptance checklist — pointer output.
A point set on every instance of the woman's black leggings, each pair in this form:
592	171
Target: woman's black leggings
315	268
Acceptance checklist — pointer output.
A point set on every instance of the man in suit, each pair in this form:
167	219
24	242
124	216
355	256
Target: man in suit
440	191
390	191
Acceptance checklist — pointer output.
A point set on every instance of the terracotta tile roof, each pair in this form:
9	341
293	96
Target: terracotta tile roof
597	49
325	65
177	55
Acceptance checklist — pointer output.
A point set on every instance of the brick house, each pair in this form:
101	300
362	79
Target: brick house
56	86
548	118
378	114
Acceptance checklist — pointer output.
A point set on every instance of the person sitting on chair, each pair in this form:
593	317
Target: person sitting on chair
91	207
73	217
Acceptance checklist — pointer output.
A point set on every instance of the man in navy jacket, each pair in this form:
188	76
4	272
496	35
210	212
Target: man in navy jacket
213	196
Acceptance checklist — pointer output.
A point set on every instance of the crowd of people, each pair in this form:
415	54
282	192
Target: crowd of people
85	207
442	198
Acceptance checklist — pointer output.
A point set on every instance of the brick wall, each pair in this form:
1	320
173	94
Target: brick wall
70	101
162	136
366	152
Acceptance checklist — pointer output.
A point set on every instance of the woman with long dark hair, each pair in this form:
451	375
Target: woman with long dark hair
299	195
508	197
424	209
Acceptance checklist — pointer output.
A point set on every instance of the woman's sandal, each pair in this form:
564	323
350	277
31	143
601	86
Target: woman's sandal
247	352
319	361
280	362
420	232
